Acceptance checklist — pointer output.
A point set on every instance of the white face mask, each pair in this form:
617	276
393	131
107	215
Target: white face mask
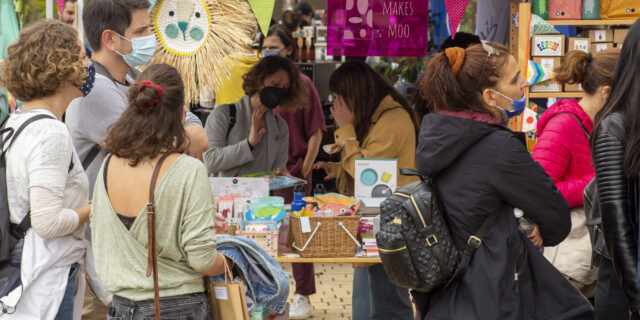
143	50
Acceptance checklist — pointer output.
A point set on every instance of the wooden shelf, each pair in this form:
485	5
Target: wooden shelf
556	95
589	22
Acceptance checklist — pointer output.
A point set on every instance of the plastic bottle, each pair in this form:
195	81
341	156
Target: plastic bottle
297	204
524	225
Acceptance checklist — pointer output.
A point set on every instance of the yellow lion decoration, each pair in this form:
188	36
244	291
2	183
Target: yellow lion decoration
194	36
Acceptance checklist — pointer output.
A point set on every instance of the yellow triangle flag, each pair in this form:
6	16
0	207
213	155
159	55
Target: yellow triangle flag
263	9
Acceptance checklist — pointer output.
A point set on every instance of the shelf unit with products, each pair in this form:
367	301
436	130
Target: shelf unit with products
520	45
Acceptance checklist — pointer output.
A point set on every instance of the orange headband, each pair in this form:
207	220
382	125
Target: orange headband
456	58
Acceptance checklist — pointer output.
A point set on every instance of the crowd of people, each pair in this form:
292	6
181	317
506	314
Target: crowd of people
99	156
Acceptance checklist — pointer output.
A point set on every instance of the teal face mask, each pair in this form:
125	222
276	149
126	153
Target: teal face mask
143	50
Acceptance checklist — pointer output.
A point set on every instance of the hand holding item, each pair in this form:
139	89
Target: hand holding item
327	167
341	112
220	224
257	127
536	239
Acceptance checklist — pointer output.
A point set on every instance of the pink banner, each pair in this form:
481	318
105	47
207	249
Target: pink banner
377	28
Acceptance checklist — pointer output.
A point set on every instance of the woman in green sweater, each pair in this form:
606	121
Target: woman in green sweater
149	130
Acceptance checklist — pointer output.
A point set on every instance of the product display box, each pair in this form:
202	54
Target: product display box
551	85
619	35
576	87
547	45
582	44
375	178
597	47
601	35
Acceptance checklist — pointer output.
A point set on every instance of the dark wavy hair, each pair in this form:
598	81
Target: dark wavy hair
625	98
153	122
363	89
296	97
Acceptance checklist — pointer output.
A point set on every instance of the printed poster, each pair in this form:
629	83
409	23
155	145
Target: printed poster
377	28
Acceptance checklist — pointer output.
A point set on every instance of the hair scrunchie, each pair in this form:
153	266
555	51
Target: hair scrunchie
589	58
456	58
146	83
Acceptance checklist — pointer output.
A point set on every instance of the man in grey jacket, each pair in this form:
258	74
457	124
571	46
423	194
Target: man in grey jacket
119	34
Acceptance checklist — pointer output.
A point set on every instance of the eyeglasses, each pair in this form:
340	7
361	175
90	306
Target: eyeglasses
490	51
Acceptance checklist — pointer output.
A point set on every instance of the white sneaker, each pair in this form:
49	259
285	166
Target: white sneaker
301	308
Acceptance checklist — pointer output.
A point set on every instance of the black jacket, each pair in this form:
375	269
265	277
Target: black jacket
479	168
618	197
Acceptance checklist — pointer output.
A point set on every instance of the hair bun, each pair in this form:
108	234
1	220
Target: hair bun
147	95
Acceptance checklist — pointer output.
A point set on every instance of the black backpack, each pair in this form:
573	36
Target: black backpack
414	240
10	233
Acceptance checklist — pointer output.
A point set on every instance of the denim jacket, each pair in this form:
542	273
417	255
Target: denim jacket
268	284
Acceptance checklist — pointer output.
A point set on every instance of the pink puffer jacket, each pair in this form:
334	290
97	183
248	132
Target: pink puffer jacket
563	149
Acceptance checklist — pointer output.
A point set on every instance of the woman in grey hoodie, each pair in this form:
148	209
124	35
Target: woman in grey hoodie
247	136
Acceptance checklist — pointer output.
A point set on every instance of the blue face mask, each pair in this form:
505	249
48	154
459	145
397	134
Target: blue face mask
88	80
518	106
266	53
142	52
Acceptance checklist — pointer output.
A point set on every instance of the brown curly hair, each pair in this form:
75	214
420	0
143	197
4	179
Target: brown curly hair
42	60
296	93
153	123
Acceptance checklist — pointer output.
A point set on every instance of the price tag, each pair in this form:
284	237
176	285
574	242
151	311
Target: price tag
221	293
305	225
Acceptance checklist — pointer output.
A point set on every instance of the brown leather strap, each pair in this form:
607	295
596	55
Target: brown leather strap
152	253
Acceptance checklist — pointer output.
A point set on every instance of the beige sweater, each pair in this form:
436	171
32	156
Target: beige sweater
184	234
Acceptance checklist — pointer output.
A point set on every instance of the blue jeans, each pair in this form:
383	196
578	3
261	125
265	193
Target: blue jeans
375	297
194	306
65	312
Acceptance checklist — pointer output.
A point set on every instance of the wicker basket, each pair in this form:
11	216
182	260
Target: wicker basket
329	236
267	240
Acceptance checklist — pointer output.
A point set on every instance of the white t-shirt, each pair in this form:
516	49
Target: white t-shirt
39	179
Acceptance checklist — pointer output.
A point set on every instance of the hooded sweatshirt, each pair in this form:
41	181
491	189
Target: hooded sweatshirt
479	168
563	148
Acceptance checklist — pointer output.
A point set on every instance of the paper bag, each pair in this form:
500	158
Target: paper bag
227	299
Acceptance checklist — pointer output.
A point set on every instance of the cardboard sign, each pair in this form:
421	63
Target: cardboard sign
581	44
601	35
547	46
597	47
375	178
377	28
619	35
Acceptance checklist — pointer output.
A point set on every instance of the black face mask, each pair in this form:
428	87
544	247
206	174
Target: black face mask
271	96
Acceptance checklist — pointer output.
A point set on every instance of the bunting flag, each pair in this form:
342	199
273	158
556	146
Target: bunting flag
263	9
529	120
537	73
540	26
60	4
455	12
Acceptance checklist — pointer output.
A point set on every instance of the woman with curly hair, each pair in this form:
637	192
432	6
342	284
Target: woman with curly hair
46	67
247	136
